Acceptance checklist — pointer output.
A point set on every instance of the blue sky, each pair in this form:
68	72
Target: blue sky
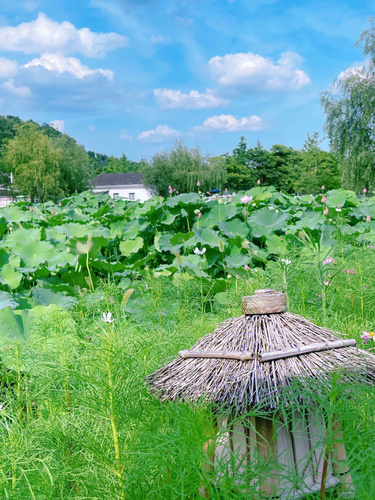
134	76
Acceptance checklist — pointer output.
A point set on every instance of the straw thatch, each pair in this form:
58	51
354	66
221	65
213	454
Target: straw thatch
243	383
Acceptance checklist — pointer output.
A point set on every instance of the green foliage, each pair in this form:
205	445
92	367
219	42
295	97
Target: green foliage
184	170
45	163
54	253
284	168
349	109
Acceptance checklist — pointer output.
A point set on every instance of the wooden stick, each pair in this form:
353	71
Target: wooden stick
240	355
297	351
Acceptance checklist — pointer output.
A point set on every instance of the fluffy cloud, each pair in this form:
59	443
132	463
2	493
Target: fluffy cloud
46	34
160	134
8	68
228	123
253	73
10	87
175	99
58	125
60	64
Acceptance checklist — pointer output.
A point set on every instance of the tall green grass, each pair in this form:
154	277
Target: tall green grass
77	422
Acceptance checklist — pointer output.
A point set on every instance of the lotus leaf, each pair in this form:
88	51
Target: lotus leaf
45	297
234	227
183	199
130	247
6	300
277	245
207	237
237	260
34	253
10	276
16	214
341	197
265	221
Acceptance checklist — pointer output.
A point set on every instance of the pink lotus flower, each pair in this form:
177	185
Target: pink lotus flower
246	267
364	191
258	182
325	211
199	215
368	218
323	199
198	183
323	187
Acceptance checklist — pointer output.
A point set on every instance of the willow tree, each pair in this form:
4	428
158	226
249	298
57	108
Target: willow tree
349	105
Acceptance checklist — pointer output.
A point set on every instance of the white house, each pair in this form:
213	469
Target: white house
6	197
126	185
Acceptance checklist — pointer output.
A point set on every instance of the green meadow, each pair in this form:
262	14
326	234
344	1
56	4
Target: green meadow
76	418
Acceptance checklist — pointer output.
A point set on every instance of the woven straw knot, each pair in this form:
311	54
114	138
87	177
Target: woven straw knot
265	301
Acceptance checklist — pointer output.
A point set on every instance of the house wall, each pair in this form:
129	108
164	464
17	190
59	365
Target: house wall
135	192
5	201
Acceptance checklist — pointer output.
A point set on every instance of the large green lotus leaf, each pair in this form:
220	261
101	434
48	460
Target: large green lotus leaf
10	276
131	246
45	297
164	243
16	214
134	228
264	222
18	325
178	239
21	236
237	260
68	230
16	328
363	211
234	227
61	257
341	197
221	212
169	218
277	244
33	253
195	264
310	220
87	244
9	258
183	199
207	236
6	300
148	207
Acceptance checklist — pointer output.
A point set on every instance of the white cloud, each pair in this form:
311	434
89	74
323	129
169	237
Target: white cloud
357	71
46	34
60	64
18	91
160	134
175	99
228	123
254	73
154	39
8	68
58	125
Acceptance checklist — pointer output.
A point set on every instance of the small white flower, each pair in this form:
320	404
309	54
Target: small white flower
286	261
107	317
246	199
199	252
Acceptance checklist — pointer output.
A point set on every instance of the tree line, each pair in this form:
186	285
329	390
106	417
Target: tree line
45	164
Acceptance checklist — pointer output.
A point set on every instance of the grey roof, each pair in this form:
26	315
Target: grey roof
122	179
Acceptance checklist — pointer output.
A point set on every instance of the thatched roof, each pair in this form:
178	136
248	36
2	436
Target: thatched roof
242	383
